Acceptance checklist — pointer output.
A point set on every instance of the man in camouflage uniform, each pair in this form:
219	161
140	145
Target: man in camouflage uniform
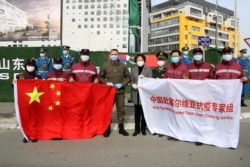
115	73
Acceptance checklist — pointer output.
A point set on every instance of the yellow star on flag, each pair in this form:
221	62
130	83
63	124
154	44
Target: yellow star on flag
50	108
35	95
58	93
57	103
52	86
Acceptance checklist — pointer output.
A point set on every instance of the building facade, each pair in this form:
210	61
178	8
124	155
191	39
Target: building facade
179	23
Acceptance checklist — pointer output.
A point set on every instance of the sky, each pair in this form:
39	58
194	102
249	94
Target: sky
243	13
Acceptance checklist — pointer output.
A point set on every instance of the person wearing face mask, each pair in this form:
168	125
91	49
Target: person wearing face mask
57	74
67	59
30	70
186	59
228	68
114	73
161	65
199	69
244	62
136	72
176	69
43	64
84	70
29	73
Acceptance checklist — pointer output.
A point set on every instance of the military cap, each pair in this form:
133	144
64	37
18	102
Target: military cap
243	50
197	50
185	48
65	47
161	55
227	49
42	50
57	60
84	52
31	62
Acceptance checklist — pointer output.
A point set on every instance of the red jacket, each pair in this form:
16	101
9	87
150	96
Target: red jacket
83	72
176	71
57	75
200	71
228	70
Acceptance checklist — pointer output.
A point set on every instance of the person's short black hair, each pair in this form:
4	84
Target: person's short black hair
140	55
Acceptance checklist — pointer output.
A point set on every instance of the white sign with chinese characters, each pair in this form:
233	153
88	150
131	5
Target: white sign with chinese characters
205	111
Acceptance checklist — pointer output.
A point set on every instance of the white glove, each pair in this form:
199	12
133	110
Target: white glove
110	84
141	76
135	86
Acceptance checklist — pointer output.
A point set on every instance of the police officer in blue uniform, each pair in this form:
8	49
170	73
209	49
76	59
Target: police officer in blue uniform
67	59
244	62
43	64
186	59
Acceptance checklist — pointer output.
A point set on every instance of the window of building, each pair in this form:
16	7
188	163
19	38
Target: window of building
73	20
85	19
98	19
85	26
98	32
124	45
98	12
111	25
79	26
125	32
98	26
105	18
92	26
79	6
92	6
73	1
111	19
92	19
86	6
118	32
80	1
86	1
194	28
73	7
195	12
86	13
92	12
67	1
104	25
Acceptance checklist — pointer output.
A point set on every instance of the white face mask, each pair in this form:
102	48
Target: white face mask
140	63
30	68
57	66
245	55
227	57
185	53
42	54
160	63
113	57
197	57
84	58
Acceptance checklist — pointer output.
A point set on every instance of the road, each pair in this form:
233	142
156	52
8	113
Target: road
120	151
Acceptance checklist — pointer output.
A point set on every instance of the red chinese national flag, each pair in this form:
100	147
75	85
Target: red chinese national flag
52	109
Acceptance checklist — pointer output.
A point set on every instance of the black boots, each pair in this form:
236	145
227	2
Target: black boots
107	132
122	130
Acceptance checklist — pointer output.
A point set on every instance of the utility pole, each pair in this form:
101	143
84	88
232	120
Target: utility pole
216	25
236	30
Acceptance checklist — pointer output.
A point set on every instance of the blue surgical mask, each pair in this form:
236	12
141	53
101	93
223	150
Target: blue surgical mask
42	54
197	57
175	59
185	52
227	57
113	57
57	66
84	58
65	52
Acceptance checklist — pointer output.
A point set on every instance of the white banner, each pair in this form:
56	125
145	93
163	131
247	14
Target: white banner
205	111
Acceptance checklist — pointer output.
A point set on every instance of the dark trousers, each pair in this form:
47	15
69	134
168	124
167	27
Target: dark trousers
140	123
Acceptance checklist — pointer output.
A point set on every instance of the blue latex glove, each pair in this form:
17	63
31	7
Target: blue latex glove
109	84
118	85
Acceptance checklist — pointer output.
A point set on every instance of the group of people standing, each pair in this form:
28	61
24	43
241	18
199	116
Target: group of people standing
116	74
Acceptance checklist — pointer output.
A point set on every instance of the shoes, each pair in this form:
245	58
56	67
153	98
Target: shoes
107	133
123	132
34	140
243	105
160	135
135	133
172	138
25	140
198	143
143	132
56	138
